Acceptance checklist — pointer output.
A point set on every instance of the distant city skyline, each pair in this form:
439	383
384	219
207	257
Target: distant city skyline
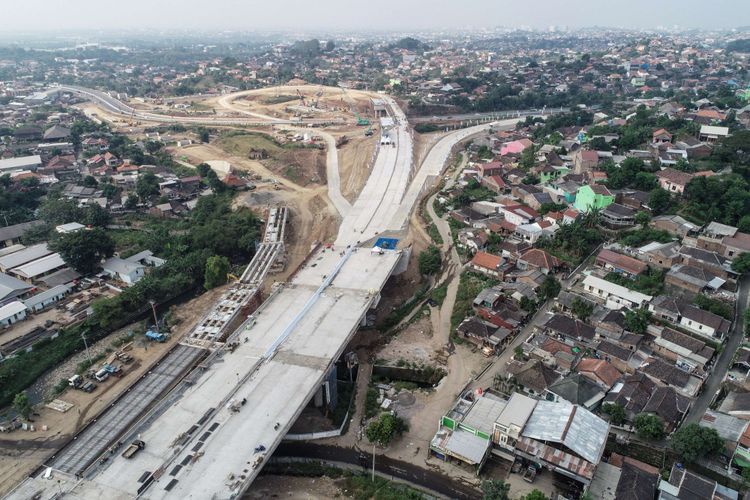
381	15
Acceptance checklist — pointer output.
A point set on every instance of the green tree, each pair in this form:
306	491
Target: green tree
527	304
518	353
385	429
642	218
535	495
203	134
95	215
550	287
581	309
131	202
84	250
217	268
649	426
109	190
90	181
693	441
22	405
741	263
637	320
429	261
495	489
616	413
56	211
147	186
203	169
659	201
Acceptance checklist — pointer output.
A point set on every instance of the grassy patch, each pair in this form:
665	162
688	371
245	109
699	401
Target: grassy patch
432	230
438	294
650	282
279	99
372	407
241	144
469	286
402	311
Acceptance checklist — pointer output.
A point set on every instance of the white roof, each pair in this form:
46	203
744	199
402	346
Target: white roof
47	294
120	266
517	411
39	266
23	256
467	445
11	309
712	130
69	227
617	290
21	162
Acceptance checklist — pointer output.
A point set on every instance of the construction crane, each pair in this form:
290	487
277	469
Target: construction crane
362	122
317	97
301	98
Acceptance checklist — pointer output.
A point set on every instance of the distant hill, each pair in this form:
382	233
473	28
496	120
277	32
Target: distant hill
739	45
409	43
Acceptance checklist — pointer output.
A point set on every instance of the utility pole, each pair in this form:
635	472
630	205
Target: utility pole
373	462
88	356
153	309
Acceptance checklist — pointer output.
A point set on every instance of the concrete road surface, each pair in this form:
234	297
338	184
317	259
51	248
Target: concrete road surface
711	386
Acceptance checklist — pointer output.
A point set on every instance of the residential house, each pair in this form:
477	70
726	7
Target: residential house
491	265
616	216
12	288
537	258
577	389
11	235
683	484
510	423
594	196
615	296
669	405
565	327
584	161
600	371
518	214
674	224
484	334
532	377
565	438
619	263
673	180
124	270
661	255
687	352
712	262
692	279
711	134
12	312
42	300
661	135
614	353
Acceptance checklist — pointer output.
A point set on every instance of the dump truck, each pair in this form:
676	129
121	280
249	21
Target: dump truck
134	448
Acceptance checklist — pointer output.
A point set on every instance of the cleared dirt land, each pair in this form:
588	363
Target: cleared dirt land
300	163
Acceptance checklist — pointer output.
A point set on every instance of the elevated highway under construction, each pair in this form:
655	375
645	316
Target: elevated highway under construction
202	439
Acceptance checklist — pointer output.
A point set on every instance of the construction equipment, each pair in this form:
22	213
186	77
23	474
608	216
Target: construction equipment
156	336
134	448
232	277
301	98
369	131
361	121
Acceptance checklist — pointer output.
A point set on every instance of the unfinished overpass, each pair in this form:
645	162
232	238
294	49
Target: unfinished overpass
200	440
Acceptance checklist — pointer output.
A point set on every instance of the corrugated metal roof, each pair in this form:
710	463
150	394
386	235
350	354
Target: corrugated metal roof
39	266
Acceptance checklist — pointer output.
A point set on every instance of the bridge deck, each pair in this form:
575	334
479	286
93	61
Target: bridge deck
276	390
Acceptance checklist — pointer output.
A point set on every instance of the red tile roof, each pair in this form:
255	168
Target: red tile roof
487	261
620	261
600	369
541	259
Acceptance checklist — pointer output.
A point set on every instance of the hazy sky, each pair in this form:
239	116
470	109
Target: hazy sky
33	15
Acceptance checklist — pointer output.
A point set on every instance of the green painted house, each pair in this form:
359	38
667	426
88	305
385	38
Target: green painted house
549	173
593	196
